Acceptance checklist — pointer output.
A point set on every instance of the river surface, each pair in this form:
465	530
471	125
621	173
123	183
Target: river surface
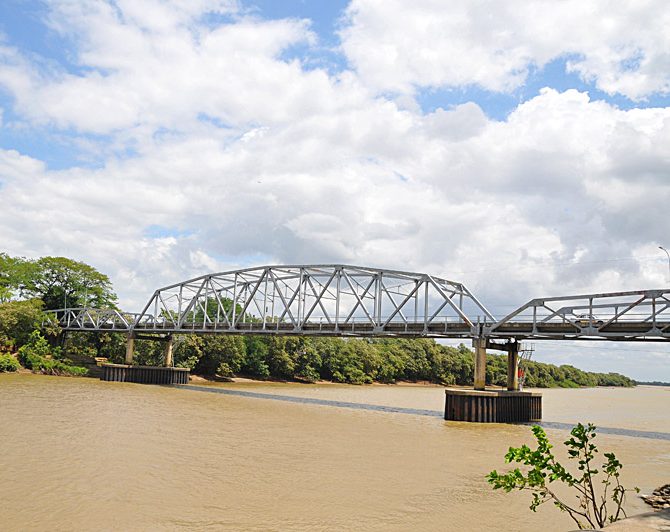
81	454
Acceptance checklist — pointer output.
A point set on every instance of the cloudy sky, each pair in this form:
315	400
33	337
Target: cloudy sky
520	148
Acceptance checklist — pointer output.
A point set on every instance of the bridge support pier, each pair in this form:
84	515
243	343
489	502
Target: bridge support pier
513	367
130	348
479	345
168	351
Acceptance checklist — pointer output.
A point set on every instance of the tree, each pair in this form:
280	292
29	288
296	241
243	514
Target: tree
544	469
14	275
18	319
60	282
223	355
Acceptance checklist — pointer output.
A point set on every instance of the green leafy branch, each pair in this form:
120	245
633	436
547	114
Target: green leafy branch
543	469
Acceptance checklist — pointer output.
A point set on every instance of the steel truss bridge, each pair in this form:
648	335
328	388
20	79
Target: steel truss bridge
340	300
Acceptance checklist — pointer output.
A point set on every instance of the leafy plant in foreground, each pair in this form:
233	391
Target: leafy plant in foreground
591	510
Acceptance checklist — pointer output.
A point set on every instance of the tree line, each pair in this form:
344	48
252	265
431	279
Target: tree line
28	287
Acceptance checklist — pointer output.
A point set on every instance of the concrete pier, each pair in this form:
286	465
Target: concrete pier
130	348
499	406
513	367
479	345
168	351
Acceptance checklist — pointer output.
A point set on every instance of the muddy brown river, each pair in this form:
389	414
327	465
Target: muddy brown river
80	454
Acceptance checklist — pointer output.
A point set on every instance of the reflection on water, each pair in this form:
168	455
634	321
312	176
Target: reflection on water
79	454
314	401
411	411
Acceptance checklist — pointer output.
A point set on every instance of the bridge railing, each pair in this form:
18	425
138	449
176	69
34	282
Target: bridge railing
93	319
620	315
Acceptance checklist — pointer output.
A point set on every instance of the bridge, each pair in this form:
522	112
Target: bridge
341	300
354	301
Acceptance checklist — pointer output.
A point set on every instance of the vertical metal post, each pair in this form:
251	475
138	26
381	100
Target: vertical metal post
179	316
378	302
204	310
232	321
425	305
337	301
274	296
299	296
265	298
416	302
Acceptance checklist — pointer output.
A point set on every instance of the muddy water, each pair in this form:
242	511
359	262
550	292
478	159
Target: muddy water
79	454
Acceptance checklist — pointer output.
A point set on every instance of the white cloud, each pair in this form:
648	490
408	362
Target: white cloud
253	159
398	46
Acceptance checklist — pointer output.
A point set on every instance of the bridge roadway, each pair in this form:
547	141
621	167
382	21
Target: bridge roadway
626	331
343	300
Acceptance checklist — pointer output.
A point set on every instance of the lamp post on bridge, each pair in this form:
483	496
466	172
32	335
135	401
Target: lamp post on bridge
668	254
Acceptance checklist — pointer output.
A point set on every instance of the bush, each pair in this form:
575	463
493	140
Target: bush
38	356
49	366
544	469
8	363
18	319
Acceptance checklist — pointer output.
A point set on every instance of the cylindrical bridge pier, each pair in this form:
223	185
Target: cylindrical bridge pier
492	406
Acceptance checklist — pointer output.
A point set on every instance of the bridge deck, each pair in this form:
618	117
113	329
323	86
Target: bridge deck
520	330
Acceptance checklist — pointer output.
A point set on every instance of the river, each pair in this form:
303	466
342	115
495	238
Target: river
81	454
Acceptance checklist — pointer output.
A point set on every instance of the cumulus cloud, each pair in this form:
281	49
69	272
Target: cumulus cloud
398	46
253	158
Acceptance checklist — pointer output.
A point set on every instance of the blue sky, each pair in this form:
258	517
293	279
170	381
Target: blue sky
520	148
24	24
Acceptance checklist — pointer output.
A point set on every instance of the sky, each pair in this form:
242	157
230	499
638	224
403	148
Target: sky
521	148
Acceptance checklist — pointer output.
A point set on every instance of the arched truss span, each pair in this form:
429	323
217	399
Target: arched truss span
317	299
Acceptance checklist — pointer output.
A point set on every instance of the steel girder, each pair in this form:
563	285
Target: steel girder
642	315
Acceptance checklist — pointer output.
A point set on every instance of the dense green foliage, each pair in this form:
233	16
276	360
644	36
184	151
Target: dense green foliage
18	319
38	355
353	361
543	469
57	281
8	363
541	375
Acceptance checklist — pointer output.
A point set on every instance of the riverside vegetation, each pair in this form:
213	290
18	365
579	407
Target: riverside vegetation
29	287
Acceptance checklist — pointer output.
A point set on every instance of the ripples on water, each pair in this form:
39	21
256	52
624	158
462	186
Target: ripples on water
79	454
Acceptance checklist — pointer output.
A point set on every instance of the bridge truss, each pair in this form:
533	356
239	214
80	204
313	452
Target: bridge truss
302	300
622	316
345	300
